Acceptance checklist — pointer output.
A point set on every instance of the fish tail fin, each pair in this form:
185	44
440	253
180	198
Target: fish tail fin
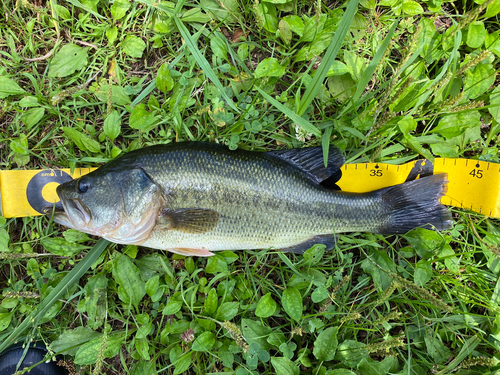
415	204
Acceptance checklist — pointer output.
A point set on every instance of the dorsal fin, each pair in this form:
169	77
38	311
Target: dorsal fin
311	161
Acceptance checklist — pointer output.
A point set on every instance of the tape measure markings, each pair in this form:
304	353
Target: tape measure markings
477	189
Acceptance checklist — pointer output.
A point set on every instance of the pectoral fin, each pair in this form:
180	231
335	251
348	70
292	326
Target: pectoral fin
188	220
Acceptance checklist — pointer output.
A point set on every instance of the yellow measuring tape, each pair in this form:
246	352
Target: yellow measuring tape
473	185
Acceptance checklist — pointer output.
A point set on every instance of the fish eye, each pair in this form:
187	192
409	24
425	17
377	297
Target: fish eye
83	186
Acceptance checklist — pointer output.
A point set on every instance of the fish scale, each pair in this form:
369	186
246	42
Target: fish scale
197	198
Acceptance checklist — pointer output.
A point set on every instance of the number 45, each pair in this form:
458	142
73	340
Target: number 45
477	173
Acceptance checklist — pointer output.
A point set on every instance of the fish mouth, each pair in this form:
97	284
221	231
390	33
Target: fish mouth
74	214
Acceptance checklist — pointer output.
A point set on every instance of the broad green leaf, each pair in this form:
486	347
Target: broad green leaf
456	123
112	125
315	48
355	65
9	87
210	304
325	344
411	8
70	340
82	141
224	10
284	366
320	294
27	101
59	246
152	285
423	272
127	276
372	367
182	364
424	241
227	311
204	342
439	352
119	8
266	17
32	116
196	15
62	12
67	60
133	46
338	68
407	124
304	124
5	319
493	9
172	307
342	87
141	119
90	5
269	67
219	47
4	240
216	264
379	274
476	34
478	80
295	23
266	306
95	300
292	303
87	353
285	31
312	28
444	149
351	352
495	104
255	331
142	346
340	371
144	367
450	260
112	34
118	94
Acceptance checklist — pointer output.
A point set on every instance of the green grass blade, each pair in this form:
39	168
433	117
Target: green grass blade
202	61
304	124
193	48
330	55
368	73
428	87
467	349
325	143
69	280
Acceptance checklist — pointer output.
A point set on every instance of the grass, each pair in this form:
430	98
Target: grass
83	81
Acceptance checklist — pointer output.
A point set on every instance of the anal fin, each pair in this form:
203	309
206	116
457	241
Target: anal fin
329	240
191	252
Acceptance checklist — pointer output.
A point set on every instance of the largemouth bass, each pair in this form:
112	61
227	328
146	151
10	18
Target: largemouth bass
195	198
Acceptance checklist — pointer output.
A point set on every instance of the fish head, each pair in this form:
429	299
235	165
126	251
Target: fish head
119	205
